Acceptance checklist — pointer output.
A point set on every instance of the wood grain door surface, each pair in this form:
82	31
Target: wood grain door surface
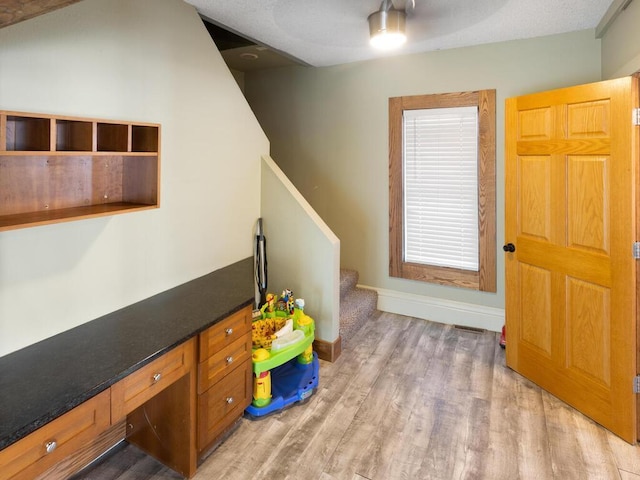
570	213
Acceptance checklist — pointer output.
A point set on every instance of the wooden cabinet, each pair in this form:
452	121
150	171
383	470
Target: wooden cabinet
224	377
57	440
168	408
221	405
57	169
157	402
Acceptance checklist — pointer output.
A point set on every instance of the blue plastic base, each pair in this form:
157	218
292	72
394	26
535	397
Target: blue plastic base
291	382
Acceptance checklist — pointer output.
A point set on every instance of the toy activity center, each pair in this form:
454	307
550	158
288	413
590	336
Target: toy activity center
285	367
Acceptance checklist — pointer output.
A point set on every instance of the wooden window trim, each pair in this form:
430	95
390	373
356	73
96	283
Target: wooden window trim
485	278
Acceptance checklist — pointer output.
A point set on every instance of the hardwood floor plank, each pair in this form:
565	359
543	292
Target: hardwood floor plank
389	413
403	451
131	464
627	457
502	460
574	443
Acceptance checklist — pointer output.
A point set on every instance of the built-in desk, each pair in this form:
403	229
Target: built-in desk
91	365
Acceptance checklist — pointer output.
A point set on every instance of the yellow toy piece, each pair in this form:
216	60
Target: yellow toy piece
260	355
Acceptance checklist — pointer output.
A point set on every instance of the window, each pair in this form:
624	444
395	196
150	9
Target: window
442	189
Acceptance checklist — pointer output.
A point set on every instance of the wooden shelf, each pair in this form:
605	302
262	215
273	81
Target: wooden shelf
31	219
57	169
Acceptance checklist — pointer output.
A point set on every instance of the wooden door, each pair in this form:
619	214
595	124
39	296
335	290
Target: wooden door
570	214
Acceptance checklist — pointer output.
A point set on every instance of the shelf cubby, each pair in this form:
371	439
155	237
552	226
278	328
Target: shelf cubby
74	136
28	133
89	170
113	137
144	138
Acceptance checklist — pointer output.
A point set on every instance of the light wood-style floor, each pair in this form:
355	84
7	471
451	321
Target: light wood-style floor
411	400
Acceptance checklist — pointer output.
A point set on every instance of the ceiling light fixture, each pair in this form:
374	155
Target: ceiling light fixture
386	27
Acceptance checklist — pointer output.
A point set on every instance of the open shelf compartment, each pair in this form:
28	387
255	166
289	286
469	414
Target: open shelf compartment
27	133
74	136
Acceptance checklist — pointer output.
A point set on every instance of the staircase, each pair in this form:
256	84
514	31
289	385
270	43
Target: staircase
356	305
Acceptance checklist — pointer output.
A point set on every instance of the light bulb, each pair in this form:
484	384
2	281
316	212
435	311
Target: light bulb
388	40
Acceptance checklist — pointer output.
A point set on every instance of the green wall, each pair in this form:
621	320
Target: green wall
328	129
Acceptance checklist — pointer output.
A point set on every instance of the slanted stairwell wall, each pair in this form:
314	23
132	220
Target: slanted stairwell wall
303	254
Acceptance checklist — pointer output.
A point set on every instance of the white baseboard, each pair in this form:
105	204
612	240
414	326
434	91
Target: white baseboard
439	310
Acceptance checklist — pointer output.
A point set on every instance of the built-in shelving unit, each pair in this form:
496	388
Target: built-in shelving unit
55	169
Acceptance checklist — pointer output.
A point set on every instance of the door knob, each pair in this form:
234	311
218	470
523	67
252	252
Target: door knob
509	247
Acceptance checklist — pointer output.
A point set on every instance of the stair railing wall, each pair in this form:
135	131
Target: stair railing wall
303	254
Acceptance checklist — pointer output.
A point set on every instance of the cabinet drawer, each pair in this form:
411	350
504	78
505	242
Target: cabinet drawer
134	390
56	440
224	333
223	362
223	403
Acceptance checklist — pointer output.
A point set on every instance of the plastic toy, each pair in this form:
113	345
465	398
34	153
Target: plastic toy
285	368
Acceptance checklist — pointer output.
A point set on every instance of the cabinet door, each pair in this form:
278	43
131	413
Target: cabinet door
222	404
57	440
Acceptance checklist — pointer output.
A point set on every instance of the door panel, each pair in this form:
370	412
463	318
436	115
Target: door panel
588	313
570	211
588	203
536	319
534	197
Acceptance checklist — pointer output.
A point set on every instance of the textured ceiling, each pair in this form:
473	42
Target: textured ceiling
330	32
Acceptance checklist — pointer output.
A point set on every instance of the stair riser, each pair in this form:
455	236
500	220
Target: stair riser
348	281
357	305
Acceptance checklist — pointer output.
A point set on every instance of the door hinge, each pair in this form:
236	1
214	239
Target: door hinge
636	116
636	384
636	250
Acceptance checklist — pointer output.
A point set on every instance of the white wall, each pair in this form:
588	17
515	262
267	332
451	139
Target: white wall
621	44
328	129
303	255
139	60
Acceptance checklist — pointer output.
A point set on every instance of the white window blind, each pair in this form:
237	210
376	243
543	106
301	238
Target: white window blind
440	167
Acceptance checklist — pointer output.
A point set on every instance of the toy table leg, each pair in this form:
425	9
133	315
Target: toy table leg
306	357
262	389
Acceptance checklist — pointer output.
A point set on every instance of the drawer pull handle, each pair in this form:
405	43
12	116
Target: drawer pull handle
50	446
157	377
229	400
229	360
228	331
